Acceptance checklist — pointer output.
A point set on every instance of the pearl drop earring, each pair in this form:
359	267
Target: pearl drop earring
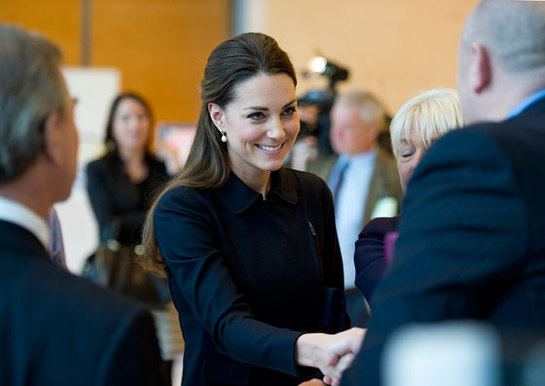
223	137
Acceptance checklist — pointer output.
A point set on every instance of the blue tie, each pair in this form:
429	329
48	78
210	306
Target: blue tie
337	177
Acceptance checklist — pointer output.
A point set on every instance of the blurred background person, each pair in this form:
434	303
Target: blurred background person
121	186
55	328
418	123
362	177
313	138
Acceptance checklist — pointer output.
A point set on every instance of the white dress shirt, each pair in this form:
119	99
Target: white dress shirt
350	207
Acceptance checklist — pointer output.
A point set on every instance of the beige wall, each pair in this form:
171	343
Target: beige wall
160	46
392	47
39	15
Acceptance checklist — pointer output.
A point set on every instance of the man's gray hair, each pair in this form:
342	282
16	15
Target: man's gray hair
31	87
371	109
513	31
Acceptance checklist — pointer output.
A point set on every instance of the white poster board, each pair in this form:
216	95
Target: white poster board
94	89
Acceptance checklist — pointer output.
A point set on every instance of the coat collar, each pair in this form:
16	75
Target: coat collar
238	197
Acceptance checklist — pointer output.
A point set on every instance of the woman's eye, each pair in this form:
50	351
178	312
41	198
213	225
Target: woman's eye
407	154
290	111
256	116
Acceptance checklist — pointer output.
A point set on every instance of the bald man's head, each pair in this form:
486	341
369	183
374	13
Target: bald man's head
501	59
512	31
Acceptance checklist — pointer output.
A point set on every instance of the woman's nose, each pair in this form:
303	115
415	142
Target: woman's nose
276	130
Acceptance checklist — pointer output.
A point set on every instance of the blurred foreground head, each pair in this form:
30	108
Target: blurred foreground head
37	132
501	57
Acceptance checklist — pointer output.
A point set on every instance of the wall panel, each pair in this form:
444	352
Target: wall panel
59	21
161	48
392	47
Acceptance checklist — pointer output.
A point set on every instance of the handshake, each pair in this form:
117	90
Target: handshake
332	354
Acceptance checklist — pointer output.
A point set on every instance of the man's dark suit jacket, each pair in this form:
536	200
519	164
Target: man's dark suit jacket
472	237
58	329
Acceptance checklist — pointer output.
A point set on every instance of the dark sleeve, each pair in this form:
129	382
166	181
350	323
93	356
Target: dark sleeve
134	358
369	255
189	241
461	235
126	225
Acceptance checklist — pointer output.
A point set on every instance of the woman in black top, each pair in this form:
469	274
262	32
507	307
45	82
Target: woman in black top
249	247
122	183
121	186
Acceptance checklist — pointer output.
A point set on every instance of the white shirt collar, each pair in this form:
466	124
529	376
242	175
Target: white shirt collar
16	213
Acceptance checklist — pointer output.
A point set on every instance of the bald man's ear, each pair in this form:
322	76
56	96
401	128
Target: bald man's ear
480	68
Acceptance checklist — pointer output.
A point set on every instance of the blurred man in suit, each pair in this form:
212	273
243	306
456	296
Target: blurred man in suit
55	328
471	242
362	177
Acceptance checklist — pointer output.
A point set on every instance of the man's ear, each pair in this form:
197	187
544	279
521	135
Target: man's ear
52	137
217	115
374	129
480	70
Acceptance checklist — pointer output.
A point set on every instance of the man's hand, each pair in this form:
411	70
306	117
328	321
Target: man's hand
343	363
332	354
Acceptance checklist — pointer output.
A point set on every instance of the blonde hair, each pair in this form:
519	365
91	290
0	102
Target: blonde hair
431	114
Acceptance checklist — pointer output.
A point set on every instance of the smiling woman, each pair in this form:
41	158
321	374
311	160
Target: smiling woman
260	127
249	247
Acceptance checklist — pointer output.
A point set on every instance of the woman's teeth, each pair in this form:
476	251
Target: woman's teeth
269	148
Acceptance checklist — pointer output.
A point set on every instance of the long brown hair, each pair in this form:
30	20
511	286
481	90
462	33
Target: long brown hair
207	167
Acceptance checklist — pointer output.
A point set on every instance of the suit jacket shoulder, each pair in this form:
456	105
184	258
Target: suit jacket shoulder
451	220
52	317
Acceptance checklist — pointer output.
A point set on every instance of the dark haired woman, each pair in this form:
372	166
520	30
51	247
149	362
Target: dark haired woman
249	247
121	186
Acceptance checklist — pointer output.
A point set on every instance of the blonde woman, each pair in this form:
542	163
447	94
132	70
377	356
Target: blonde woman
414	128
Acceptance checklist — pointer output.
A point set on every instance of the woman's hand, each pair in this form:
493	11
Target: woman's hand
329	352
